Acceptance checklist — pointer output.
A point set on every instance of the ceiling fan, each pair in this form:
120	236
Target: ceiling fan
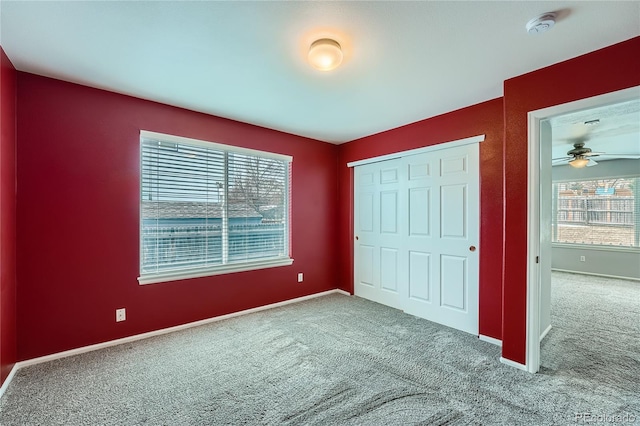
580	155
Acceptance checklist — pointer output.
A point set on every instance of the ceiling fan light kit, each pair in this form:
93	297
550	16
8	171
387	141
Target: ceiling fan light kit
579	162
581	156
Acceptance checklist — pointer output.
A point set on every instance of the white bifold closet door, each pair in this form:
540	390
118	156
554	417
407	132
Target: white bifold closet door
416	222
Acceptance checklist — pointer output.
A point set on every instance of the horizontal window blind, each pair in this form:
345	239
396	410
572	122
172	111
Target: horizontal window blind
204	206
603	212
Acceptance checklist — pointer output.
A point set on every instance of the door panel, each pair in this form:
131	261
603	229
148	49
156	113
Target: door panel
453	165
419	169
389	269
389	175
366	265
367	178
389	212
419	276
453	208
421	219
366	212
419	211
453	282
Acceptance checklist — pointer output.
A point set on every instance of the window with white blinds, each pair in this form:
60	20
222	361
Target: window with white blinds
208	208
597	212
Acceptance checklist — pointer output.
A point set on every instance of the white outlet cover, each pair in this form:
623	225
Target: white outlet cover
121	314
300	277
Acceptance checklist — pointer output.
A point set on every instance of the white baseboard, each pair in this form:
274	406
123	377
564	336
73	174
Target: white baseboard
5	385
617	277
514	364
129	339
545	332
490	340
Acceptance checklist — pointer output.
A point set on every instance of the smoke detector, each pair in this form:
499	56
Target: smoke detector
541	23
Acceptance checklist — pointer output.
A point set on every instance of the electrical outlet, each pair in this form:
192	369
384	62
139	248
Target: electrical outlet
300	277
582	259
121	315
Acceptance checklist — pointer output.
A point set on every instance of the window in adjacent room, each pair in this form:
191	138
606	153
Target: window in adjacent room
207	208
602	212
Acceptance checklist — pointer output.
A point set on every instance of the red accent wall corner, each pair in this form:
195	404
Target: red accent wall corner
8	336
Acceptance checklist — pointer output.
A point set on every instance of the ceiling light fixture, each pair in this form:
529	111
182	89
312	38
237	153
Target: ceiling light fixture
542	23
579	162
325	54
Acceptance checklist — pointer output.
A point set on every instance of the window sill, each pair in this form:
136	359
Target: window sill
595	247
206	272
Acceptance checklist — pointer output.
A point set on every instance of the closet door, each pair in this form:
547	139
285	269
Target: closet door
417	231
443	234
379	224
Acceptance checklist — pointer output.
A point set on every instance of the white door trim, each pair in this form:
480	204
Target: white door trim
533	210
430	148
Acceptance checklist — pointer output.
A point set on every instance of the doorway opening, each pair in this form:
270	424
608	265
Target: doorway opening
540	226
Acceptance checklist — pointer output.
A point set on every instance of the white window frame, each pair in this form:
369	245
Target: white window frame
157	277
599	247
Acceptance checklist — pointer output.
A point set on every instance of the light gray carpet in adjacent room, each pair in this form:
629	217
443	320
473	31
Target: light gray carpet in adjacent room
347	361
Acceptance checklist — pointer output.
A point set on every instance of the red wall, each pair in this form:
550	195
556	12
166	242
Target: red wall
77	248
7	216
485	118
613	68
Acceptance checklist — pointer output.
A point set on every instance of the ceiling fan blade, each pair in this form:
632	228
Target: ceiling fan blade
632	156
559	159
592	154
591	163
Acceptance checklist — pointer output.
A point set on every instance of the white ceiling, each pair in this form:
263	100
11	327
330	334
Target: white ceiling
612	131
404	61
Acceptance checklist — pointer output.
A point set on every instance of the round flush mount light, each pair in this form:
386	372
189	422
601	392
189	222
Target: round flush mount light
325	54
541	23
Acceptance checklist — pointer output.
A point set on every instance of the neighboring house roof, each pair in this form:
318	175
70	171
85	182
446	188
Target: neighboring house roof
191	210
